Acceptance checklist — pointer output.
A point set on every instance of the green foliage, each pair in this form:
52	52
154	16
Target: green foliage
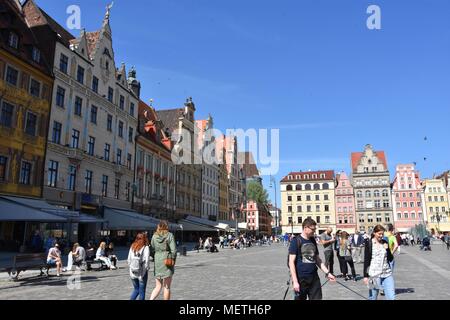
257	193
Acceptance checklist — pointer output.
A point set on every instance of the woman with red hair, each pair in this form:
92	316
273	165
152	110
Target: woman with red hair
138	260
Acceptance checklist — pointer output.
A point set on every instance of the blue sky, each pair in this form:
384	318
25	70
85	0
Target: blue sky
308	67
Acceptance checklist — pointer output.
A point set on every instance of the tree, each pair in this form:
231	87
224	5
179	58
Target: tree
257	193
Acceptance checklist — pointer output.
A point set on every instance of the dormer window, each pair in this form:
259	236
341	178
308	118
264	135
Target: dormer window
13	40
36	55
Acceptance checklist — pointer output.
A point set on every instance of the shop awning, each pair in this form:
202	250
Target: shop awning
118	219
190	226
85	218
14	211
213	224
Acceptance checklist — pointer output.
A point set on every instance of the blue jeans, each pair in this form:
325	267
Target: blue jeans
388	286
139	288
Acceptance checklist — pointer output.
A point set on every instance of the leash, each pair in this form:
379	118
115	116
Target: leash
351	290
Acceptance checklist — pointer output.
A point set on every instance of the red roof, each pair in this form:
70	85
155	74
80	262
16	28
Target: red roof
356	158
308	176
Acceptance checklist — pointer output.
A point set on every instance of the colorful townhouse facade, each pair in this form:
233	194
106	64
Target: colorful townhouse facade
345	204
436	205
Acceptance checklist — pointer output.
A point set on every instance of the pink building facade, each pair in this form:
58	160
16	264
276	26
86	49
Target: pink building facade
407	196
345	204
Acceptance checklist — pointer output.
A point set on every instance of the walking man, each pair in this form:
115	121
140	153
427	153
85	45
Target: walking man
303	261
357	244
327	240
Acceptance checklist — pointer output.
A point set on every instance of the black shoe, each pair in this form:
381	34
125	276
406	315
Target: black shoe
382	293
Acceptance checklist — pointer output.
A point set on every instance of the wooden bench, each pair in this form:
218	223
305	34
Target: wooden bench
90	261
23	262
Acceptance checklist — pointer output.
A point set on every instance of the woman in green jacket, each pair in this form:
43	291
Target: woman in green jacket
163	245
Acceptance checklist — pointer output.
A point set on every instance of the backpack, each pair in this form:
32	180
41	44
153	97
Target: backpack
136	262
299	246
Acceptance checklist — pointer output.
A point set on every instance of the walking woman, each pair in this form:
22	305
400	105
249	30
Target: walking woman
346	254
163	244
139	262
377	271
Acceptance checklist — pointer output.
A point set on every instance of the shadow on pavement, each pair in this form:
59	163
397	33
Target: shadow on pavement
403	291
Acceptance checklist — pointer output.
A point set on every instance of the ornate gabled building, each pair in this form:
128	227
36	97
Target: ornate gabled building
91	139
210	169
155	173
25	94
188	173
407	198
345	204
371	182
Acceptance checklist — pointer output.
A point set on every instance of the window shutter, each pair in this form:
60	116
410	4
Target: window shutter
2	69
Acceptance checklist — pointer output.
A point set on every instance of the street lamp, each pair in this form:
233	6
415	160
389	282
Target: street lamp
273	184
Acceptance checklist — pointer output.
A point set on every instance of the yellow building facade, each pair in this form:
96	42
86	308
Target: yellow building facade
436	205
308	194
25	92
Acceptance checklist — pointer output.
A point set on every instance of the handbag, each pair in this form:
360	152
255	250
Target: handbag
169	262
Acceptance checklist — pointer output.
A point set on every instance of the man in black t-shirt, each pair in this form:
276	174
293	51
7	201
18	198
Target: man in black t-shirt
303	264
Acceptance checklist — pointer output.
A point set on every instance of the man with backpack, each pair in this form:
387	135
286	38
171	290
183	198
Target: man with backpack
303	261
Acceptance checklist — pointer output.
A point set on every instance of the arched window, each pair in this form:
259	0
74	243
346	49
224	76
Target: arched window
399	216
325	186
317	186
298	187
289	188
406	215
385	193
376	193
308	187
368	194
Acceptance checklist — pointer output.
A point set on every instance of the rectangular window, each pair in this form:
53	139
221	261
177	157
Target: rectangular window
130	134
129	161
60	97
107	151
411	204
56	136
361	218
88	181
289	208
12	75
308	208
379	217
63	63
7	115
318	219
105	186
13	40
299	220
327	208
91	146
387	217
289	198
119	156
325	197
132	109
318	208
31	124
299	198
120	129
110	94
94	110
35	88
122	102
299	208
386	204
95	84
370	218
109	123
72	178
117	189
36	55
78	106
360	204
317	197
308	198
25	173
3	166
377	203
52	174
80	75
75	138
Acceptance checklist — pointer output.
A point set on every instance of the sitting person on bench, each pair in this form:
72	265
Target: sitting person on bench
76	257
101	255
110	254
54	259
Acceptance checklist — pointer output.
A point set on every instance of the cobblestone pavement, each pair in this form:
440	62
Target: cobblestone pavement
258	273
